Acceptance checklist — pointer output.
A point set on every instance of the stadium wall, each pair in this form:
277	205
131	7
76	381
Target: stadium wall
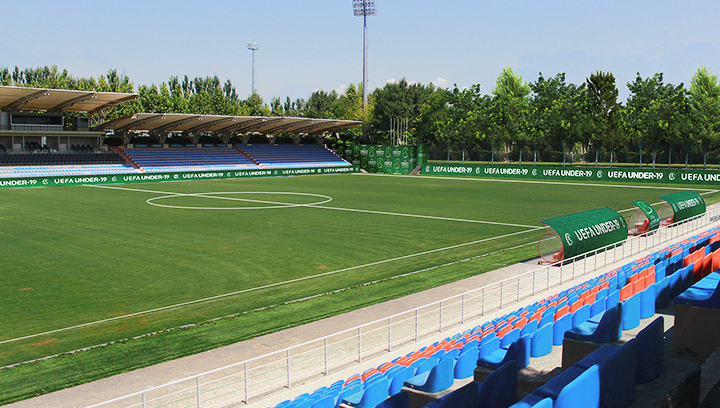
664	176
179	176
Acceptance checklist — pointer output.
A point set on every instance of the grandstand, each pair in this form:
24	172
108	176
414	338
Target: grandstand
38	145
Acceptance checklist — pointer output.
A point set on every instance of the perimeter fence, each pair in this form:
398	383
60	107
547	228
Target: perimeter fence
245	381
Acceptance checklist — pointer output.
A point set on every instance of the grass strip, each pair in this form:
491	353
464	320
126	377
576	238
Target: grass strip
68	370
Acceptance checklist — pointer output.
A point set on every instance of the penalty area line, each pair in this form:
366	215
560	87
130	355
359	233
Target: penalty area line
272	285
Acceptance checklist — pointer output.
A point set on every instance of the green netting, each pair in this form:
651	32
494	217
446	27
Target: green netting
685	204
645	219
586	231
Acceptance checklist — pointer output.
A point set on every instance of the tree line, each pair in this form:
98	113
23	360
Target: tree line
555	119
518	121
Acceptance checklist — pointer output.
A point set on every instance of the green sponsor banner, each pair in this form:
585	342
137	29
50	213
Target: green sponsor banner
385	159
672	176
685	204
650	213
422	155
586	231
152	177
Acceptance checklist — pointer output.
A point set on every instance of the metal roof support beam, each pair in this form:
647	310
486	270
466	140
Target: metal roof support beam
250	124
18	104
311	127
62	106
111	104
139	123
176	123
203	127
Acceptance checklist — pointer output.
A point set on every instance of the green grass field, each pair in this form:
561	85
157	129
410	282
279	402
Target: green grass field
84	266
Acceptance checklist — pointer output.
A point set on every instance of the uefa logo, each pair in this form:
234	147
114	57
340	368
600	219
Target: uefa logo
568	239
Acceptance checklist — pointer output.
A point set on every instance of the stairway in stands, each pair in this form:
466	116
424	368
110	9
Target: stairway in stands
128	160
249	157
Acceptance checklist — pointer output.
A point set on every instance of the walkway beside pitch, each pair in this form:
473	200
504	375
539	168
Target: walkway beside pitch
138	380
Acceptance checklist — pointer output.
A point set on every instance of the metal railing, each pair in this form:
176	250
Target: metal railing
241	382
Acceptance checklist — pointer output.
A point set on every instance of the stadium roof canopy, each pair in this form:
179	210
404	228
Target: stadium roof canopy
15	98
194	123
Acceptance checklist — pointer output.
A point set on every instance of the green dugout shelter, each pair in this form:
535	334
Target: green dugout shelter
575	234
644	219
681	206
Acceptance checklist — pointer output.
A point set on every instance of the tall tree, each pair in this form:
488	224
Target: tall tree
400	100
705	102
654	114
320	104
433	113
510	109
463	121
560	113
603	96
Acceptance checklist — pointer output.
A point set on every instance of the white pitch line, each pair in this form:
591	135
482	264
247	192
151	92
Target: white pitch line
272	285
527	181
204	195
426	216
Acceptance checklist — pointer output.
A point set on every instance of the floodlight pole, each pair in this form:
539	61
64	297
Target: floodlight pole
364	8
253	47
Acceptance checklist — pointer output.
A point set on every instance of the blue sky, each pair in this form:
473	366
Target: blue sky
317	44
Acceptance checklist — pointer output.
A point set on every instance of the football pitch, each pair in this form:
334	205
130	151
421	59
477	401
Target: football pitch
161	262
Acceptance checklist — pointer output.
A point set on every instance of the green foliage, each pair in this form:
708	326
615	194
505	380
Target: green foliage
656	113
603	98
396	100
463	122
561	114
704	95
509	110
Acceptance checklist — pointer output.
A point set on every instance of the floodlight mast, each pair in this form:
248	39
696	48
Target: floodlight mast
364	8
253	47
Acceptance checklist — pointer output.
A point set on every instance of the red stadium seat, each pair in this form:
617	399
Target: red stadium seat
576	305
626	292
561	312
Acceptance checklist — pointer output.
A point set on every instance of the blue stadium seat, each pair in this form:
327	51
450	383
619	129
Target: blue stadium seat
518	351
440	377
603	328
650	351
560	326
541	341
466	364
631	312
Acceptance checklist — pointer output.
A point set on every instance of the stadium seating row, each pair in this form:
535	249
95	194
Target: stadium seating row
154	160
59	159
279	156
81	148
67	170
597	310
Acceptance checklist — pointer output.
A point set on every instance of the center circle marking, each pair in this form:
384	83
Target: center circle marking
322	199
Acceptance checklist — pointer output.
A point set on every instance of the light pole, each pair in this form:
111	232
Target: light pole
364	8
253	47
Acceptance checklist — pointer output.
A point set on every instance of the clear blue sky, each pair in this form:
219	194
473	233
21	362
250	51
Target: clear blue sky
307	45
